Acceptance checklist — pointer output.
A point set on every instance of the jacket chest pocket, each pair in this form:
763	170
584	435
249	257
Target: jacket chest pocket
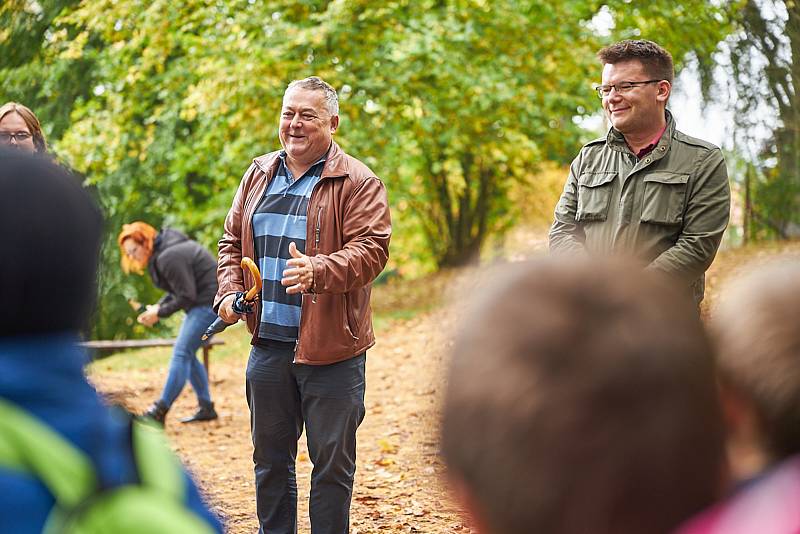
664	198
594	196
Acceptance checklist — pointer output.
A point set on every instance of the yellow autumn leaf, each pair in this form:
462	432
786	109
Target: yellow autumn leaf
386	446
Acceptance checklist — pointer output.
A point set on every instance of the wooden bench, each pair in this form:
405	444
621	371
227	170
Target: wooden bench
144	343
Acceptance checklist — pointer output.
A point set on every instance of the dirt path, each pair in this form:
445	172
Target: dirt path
398	485
397	481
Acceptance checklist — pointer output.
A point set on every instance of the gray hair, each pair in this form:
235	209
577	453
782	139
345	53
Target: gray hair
315	83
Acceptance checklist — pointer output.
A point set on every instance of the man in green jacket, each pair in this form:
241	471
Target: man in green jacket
645	190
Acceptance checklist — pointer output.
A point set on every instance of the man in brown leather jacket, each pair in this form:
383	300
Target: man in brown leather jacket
316	221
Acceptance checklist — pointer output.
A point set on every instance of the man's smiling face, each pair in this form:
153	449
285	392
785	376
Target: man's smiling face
306	127
635	111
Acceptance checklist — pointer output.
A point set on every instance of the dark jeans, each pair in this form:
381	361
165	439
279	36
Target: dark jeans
329	400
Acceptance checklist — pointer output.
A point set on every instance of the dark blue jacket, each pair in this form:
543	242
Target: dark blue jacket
44	375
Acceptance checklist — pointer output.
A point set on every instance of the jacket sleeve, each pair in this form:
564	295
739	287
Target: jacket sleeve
566	235
229	269
704	221
176	268
367	228
194	502
165	303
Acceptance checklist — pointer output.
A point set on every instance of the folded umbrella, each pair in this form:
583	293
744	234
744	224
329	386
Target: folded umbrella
243	303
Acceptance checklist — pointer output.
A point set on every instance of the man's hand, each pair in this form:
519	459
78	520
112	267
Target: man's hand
149	317
226	309
299	273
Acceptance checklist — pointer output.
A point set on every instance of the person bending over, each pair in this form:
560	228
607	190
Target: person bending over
187	272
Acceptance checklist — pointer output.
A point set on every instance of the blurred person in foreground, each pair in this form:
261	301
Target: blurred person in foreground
187	272
757	330
581	398
316	221
645	190
20	129
47	293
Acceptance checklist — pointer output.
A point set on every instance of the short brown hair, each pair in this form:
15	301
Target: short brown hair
30	121
582	398
758	337
655	59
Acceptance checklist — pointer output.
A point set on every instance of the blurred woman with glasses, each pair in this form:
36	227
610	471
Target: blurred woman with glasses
19	128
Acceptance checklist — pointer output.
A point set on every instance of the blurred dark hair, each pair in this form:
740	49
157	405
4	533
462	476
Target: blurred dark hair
655	59
53	230
582	398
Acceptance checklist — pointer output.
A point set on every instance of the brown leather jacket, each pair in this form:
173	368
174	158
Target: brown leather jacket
348	233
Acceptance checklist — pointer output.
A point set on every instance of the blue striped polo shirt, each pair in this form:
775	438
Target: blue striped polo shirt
280	219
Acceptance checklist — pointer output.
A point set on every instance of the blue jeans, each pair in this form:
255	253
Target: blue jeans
184	363
329	400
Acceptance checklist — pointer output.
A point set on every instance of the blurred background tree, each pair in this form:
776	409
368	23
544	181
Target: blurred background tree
764	82
458	105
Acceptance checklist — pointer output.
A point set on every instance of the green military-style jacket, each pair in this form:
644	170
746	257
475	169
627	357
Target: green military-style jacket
668	209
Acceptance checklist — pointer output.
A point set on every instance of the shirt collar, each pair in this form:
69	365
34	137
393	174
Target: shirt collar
282	156
616	141
649	148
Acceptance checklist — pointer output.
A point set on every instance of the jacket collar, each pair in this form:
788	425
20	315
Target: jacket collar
616	141
335	164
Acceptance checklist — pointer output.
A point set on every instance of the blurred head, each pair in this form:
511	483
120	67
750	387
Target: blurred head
136	241
51	246
19	128
582	398
757	330
309	118
636	109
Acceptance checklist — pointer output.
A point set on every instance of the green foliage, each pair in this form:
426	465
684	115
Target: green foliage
690	29
466	103
453	103
32	74
763	54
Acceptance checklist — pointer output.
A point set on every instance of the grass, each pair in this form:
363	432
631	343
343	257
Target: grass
237	343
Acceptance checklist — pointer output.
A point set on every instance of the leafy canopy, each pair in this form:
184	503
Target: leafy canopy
454	103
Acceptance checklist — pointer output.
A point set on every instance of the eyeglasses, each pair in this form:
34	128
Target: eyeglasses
19	137
621	87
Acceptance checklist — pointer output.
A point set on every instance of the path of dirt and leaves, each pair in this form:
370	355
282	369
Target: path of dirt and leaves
399	485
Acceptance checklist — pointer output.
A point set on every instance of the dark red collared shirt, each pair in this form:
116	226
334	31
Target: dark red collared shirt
649	148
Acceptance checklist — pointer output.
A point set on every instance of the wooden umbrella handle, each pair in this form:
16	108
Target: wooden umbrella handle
256	289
